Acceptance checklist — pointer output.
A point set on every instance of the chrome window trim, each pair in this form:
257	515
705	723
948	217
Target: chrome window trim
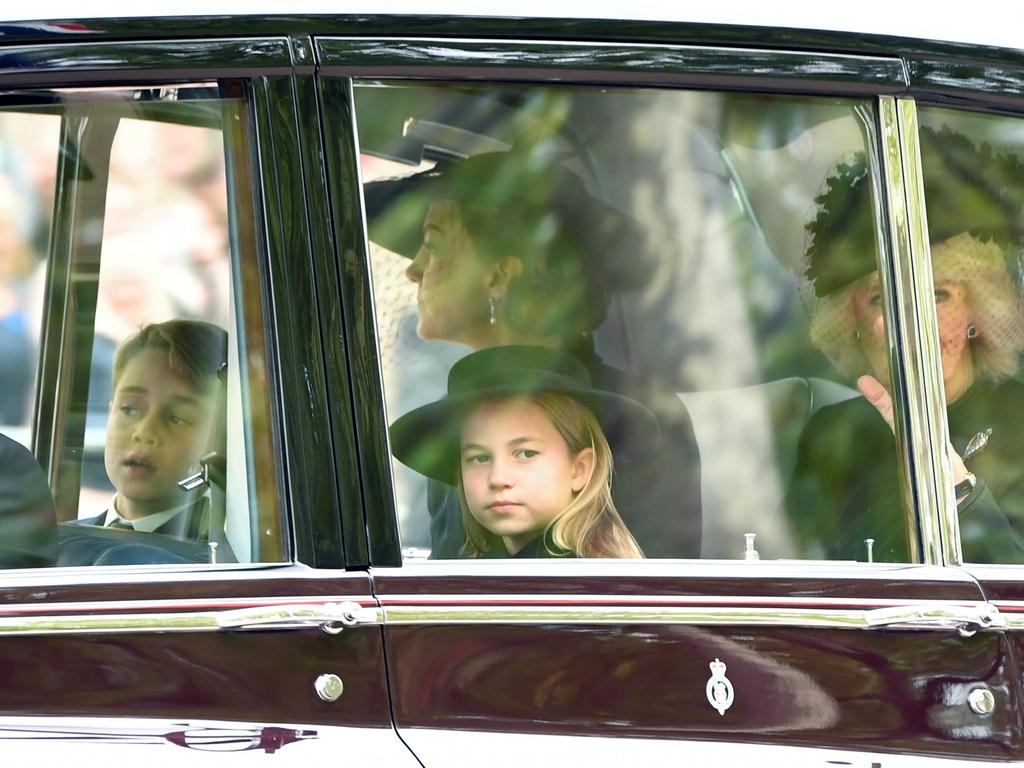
371	340
835	571
912	328
892	236
932	453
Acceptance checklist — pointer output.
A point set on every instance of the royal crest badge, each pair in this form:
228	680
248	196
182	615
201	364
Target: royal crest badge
719	689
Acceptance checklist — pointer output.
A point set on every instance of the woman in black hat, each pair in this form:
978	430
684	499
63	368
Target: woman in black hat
509	248
845	487
521	434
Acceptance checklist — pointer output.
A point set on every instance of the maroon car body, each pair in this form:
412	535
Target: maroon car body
461	662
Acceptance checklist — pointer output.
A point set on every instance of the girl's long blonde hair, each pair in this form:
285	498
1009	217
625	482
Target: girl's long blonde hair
590	525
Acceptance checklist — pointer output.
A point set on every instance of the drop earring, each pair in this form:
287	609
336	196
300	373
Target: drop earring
972	331
492	304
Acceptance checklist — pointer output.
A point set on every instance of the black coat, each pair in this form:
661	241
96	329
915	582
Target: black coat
183	538
542	547
846	489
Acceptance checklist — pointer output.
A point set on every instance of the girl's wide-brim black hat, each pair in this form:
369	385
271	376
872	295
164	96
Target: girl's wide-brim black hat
427	439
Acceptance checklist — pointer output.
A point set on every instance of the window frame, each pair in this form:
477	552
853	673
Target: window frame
308	511
990	85
885	80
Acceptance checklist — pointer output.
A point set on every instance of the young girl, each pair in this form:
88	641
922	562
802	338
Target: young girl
521	432
536	473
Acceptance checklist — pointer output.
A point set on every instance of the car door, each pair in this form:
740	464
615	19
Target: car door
155	197
983	118
723	157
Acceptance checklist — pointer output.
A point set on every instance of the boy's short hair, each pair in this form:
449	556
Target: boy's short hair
195	349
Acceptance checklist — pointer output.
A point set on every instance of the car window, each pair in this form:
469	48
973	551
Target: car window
692	278
132	299
29	143
972	167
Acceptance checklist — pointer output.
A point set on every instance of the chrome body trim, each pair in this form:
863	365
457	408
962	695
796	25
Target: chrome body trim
926	615
329	616
1014	622
740	602
206	604
618	615
1012	612
527	609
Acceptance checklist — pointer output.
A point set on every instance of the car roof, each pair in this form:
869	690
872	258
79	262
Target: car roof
985	24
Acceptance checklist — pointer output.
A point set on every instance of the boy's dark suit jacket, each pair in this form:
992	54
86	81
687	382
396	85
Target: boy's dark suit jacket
183	538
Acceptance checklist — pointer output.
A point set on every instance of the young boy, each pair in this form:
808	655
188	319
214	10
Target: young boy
167	412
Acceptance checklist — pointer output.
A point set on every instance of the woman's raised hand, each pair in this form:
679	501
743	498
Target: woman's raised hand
879	397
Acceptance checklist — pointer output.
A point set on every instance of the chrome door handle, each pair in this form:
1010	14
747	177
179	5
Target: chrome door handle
965	619
330	617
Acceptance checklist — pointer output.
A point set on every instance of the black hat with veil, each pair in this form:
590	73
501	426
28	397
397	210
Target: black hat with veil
975	209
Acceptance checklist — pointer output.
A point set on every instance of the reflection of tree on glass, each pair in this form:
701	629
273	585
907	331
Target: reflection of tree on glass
521	434
510	249
845	487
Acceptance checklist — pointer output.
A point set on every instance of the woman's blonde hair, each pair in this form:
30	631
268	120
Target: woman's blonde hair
590	525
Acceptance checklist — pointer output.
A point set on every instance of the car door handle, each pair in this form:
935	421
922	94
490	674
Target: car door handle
965	619
330	617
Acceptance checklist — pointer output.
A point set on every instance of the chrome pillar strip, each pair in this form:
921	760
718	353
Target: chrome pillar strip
933	456
928	615
905	270
331	617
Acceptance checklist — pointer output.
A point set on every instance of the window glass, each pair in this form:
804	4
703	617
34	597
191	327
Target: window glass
973	167
28	167
146	416
668	293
